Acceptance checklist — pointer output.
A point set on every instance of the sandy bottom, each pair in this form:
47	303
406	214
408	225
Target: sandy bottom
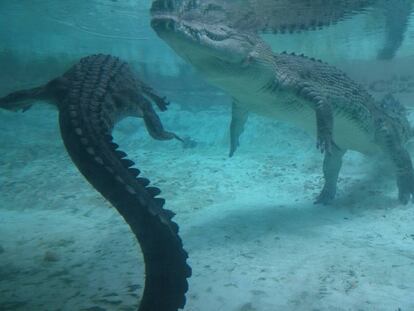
256	242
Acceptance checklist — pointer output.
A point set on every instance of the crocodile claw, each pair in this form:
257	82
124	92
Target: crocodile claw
325	197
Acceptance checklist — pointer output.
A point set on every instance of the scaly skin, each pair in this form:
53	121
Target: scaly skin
91	97
298	90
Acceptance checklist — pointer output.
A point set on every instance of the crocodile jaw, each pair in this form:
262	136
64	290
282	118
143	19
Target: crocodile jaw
222	55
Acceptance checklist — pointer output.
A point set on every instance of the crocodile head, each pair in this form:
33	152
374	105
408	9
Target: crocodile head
390	17
224	56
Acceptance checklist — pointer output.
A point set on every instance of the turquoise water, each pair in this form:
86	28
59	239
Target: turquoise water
255	239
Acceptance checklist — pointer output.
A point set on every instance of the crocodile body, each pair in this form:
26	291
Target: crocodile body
290	16
91	97
299	90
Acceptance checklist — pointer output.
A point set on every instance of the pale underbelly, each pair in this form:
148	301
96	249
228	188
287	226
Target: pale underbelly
347	134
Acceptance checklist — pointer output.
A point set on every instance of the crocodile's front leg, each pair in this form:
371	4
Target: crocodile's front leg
24	99
331	166
324	125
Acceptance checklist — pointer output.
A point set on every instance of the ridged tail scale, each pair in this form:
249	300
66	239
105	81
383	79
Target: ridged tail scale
85	132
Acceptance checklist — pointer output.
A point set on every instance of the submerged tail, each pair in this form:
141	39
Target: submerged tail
98	158
23	99
397	14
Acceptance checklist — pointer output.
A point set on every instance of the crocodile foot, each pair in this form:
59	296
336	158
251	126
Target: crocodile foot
405	184
326	196
324	142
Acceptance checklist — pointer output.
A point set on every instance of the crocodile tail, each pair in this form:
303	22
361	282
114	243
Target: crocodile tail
23	99
397	16
107	169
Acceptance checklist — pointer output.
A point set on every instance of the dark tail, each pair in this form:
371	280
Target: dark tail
107	169
397	15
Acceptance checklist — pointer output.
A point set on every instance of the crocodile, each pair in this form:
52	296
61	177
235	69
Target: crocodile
291	16
296	89
91	97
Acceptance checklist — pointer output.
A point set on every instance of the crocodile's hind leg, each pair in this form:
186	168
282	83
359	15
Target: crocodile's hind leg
401	160
331	166
404	172
22	99
141	107
405	177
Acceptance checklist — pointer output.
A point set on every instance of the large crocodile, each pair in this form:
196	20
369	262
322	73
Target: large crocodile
296	89
91	97
289	16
